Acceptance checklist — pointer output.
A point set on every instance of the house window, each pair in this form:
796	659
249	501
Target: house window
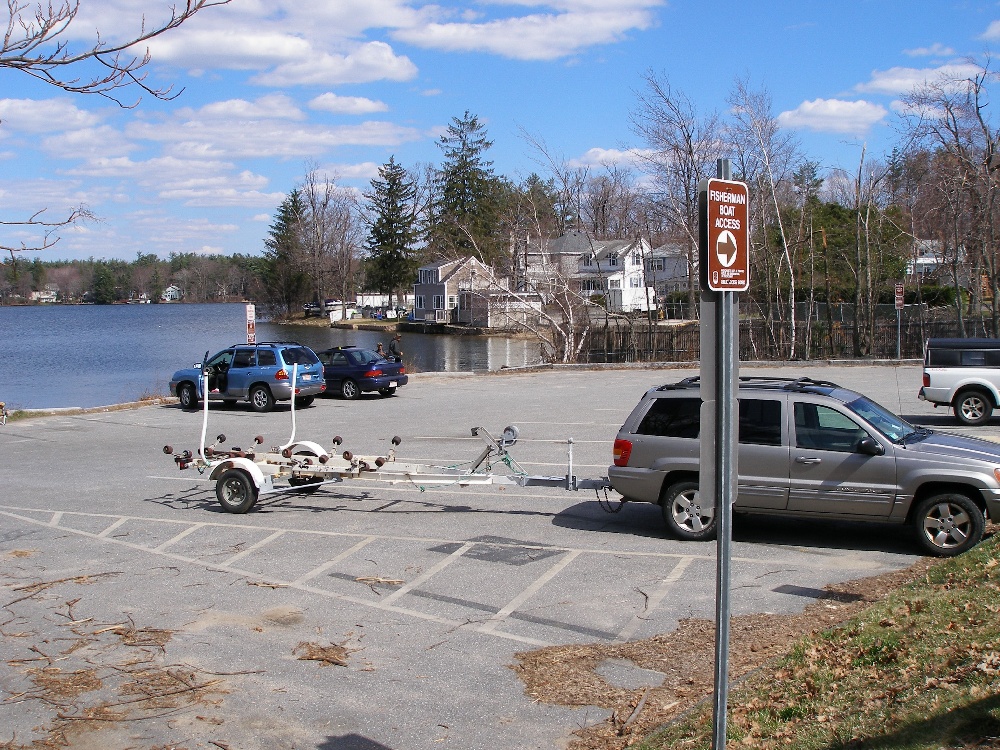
636	260
615	283
428	276
588	260
656	264
591	285
452	301
420	302
634	282
438	301
613	259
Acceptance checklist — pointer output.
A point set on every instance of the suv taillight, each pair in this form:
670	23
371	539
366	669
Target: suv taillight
623	449
281	375
927	379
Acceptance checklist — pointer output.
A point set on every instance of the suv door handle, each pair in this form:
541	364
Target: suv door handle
808	460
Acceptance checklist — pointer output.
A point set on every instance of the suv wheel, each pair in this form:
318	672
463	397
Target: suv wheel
684	514
973	407
948	524
261	399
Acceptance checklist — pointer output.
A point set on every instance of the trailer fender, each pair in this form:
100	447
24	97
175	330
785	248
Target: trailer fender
240	463
309	446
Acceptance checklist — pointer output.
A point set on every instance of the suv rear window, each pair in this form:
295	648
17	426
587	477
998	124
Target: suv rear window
298	355
672	417
760	419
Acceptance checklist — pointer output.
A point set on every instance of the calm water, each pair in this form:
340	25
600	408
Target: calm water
94	355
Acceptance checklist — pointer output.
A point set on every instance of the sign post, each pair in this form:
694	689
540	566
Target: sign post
725	269
251	324
899	318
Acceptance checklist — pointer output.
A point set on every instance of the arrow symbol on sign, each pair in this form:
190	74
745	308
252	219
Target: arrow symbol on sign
726	248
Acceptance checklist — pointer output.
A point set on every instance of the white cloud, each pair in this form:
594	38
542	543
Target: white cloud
992	31
273	106
87	143
364	171
833	116
347	105
540	36
213	139
601	157
935	50
902	80
44	115
374	61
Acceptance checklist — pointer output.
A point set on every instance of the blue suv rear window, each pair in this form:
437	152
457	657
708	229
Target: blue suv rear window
299	355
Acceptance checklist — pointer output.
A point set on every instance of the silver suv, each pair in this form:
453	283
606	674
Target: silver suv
963	374
811	448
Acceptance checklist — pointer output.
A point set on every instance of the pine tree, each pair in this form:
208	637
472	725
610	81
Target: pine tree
284	282
465	216
391	261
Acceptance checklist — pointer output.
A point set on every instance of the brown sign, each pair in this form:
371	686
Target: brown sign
728	251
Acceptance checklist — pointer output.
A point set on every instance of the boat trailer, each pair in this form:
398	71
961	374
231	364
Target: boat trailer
242	476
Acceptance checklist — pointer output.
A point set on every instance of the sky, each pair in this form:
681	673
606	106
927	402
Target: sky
272	88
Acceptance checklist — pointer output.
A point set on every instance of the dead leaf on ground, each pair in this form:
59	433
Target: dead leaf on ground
333	654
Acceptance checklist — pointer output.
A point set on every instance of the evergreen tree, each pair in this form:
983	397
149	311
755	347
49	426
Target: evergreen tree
466	211
391	262
284	283
103	284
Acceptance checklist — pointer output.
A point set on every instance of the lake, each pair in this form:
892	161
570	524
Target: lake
96	355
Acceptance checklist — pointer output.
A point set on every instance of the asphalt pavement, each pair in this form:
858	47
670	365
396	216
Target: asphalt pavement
428	592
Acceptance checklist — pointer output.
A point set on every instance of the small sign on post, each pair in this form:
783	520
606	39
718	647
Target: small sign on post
899	296
251	324
728	251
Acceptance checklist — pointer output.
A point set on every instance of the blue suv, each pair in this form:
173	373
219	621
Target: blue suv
258	373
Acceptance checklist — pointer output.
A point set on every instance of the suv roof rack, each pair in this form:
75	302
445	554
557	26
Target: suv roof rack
269	343
761	381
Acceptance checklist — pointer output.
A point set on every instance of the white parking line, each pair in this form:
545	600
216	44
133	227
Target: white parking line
654	600
190	530
428	574
529	592
253	548
330	563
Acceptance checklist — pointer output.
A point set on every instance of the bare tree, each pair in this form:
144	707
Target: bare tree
331	236
685	147
35	43
766	160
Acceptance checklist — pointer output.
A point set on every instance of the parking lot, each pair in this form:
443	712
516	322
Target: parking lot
426	594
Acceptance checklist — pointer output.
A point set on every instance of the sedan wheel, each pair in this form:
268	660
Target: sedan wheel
949	524
349	389
684	514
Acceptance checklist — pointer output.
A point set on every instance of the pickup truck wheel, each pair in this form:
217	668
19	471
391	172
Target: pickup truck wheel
973	407
235	491
684	513
948	524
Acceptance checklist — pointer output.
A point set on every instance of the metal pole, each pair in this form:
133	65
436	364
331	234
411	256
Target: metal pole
899	330
726	376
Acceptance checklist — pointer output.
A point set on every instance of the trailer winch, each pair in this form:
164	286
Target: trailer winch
243	475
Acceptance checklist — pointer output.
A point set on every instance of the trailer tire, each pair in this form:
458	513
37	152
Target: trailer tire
236	491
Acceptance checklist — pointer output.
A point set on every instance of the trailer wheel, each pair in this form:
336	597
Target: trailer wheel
235	491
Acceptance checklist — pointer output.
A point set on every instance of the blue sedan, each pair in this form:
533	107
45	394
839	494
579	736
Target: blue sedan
351	371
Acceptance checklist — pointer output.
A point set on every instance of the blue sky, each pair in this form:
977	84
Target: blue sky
273	86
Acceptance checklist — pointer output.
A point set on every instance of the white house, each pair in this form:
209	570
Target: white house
172	293
613	269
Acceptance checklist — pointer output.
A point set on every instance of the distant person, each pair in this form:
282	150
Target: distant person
379	350
394	350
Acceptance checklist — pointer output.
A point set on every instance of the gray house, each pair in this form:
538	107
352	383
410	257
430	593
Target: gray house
436	293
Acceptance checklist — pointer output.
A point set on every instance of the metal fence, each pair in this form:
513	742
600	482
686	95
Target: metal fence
762	341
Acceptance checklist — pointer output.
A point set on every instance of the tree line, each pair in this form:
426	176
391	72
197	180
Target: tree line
818	236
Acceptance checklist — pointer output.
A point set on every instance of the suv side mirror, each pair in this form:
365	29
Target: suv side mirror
870	447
